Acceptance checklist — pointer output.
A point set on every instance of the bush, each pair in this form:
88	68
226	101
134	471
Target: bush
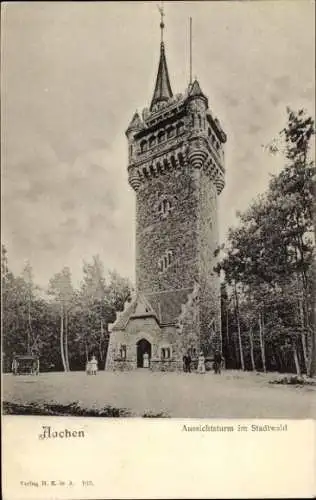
73	409
155	415
293	380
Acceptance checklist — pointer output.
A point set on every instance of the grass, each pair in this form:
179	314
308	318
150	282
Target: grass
57	410
233	394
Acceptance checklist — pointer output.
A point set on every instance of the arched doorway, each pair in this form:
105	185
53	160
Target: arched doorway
143	346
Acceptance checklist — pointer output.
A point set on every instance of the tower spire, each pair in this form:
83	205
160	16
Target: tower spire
162	24
162	90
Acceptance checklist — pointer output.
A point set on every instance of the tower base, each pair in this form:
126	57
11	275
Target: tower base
139	340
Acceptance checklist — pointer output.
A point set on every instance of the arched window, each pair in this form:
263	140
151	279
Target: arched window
143	146
164	207
200	121
158	167
165	352
180	127
170	132
152	141
161	136
165	261
169	254
123	350
181	159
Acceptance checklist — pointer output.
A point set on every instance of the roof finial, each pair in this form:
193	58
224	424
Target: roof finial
162	15
162	92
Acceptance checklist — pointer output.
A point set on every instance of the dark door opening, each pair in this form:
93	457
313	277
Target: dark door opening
143	347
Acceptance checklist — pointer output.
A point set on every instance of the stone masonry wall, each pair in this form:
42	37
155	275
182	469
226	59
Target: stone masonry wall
136	329
176	232
190	231
189	324
209	280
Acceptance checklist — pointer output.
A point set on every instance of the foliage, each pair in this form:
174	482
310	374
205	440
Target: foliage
293	380
54	409
68	325
267	263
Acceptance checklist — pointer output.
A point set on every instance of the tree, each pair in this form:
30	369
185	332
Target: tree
68	326
118	291
295	188
95	313
269	255
10	342
60	287
28	290
25	328
98	300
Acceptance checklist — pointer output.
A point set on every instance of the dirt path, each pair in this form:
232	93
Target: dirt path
231	395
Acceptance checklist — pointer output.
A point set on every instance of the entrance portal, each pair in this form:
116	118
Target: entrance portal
143	347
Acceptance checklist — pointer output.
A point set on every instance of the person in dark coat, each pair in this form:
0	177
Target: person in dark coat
188	363
218	359
184	359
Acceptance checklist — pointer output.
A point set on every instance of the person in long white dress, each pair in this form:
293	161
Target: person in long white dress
94	365
201	363
14	366
146	360
36	367
88	368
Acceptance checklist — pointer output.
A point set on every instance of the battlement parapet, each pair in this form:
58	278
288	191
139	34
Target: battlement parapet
197	152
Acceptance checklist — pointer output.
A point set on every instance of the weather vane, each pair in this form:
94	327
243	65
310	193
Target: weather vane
162	15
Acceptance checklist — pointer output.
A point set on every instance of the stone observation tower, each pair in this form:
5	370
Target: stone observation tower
176	168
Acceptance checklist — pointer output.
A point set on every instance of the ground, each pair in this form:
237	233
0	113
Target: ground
233	394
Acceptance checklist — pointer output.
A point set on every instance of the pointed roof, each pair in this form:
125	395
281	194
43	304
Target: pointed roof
136	123
164	307
143	308
195	89
139	307
162	92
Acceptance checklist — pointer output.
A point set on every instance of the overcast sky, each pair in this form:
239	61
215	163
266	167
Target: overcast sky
74	73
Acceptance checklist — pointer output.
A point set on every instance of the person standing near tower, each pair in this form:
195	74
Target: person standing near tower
188	362
185	361
146	360
94	365
218	360
201	363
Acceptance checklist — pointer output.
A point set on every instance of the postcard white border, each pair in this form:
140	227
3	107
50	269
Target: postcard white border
157	458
